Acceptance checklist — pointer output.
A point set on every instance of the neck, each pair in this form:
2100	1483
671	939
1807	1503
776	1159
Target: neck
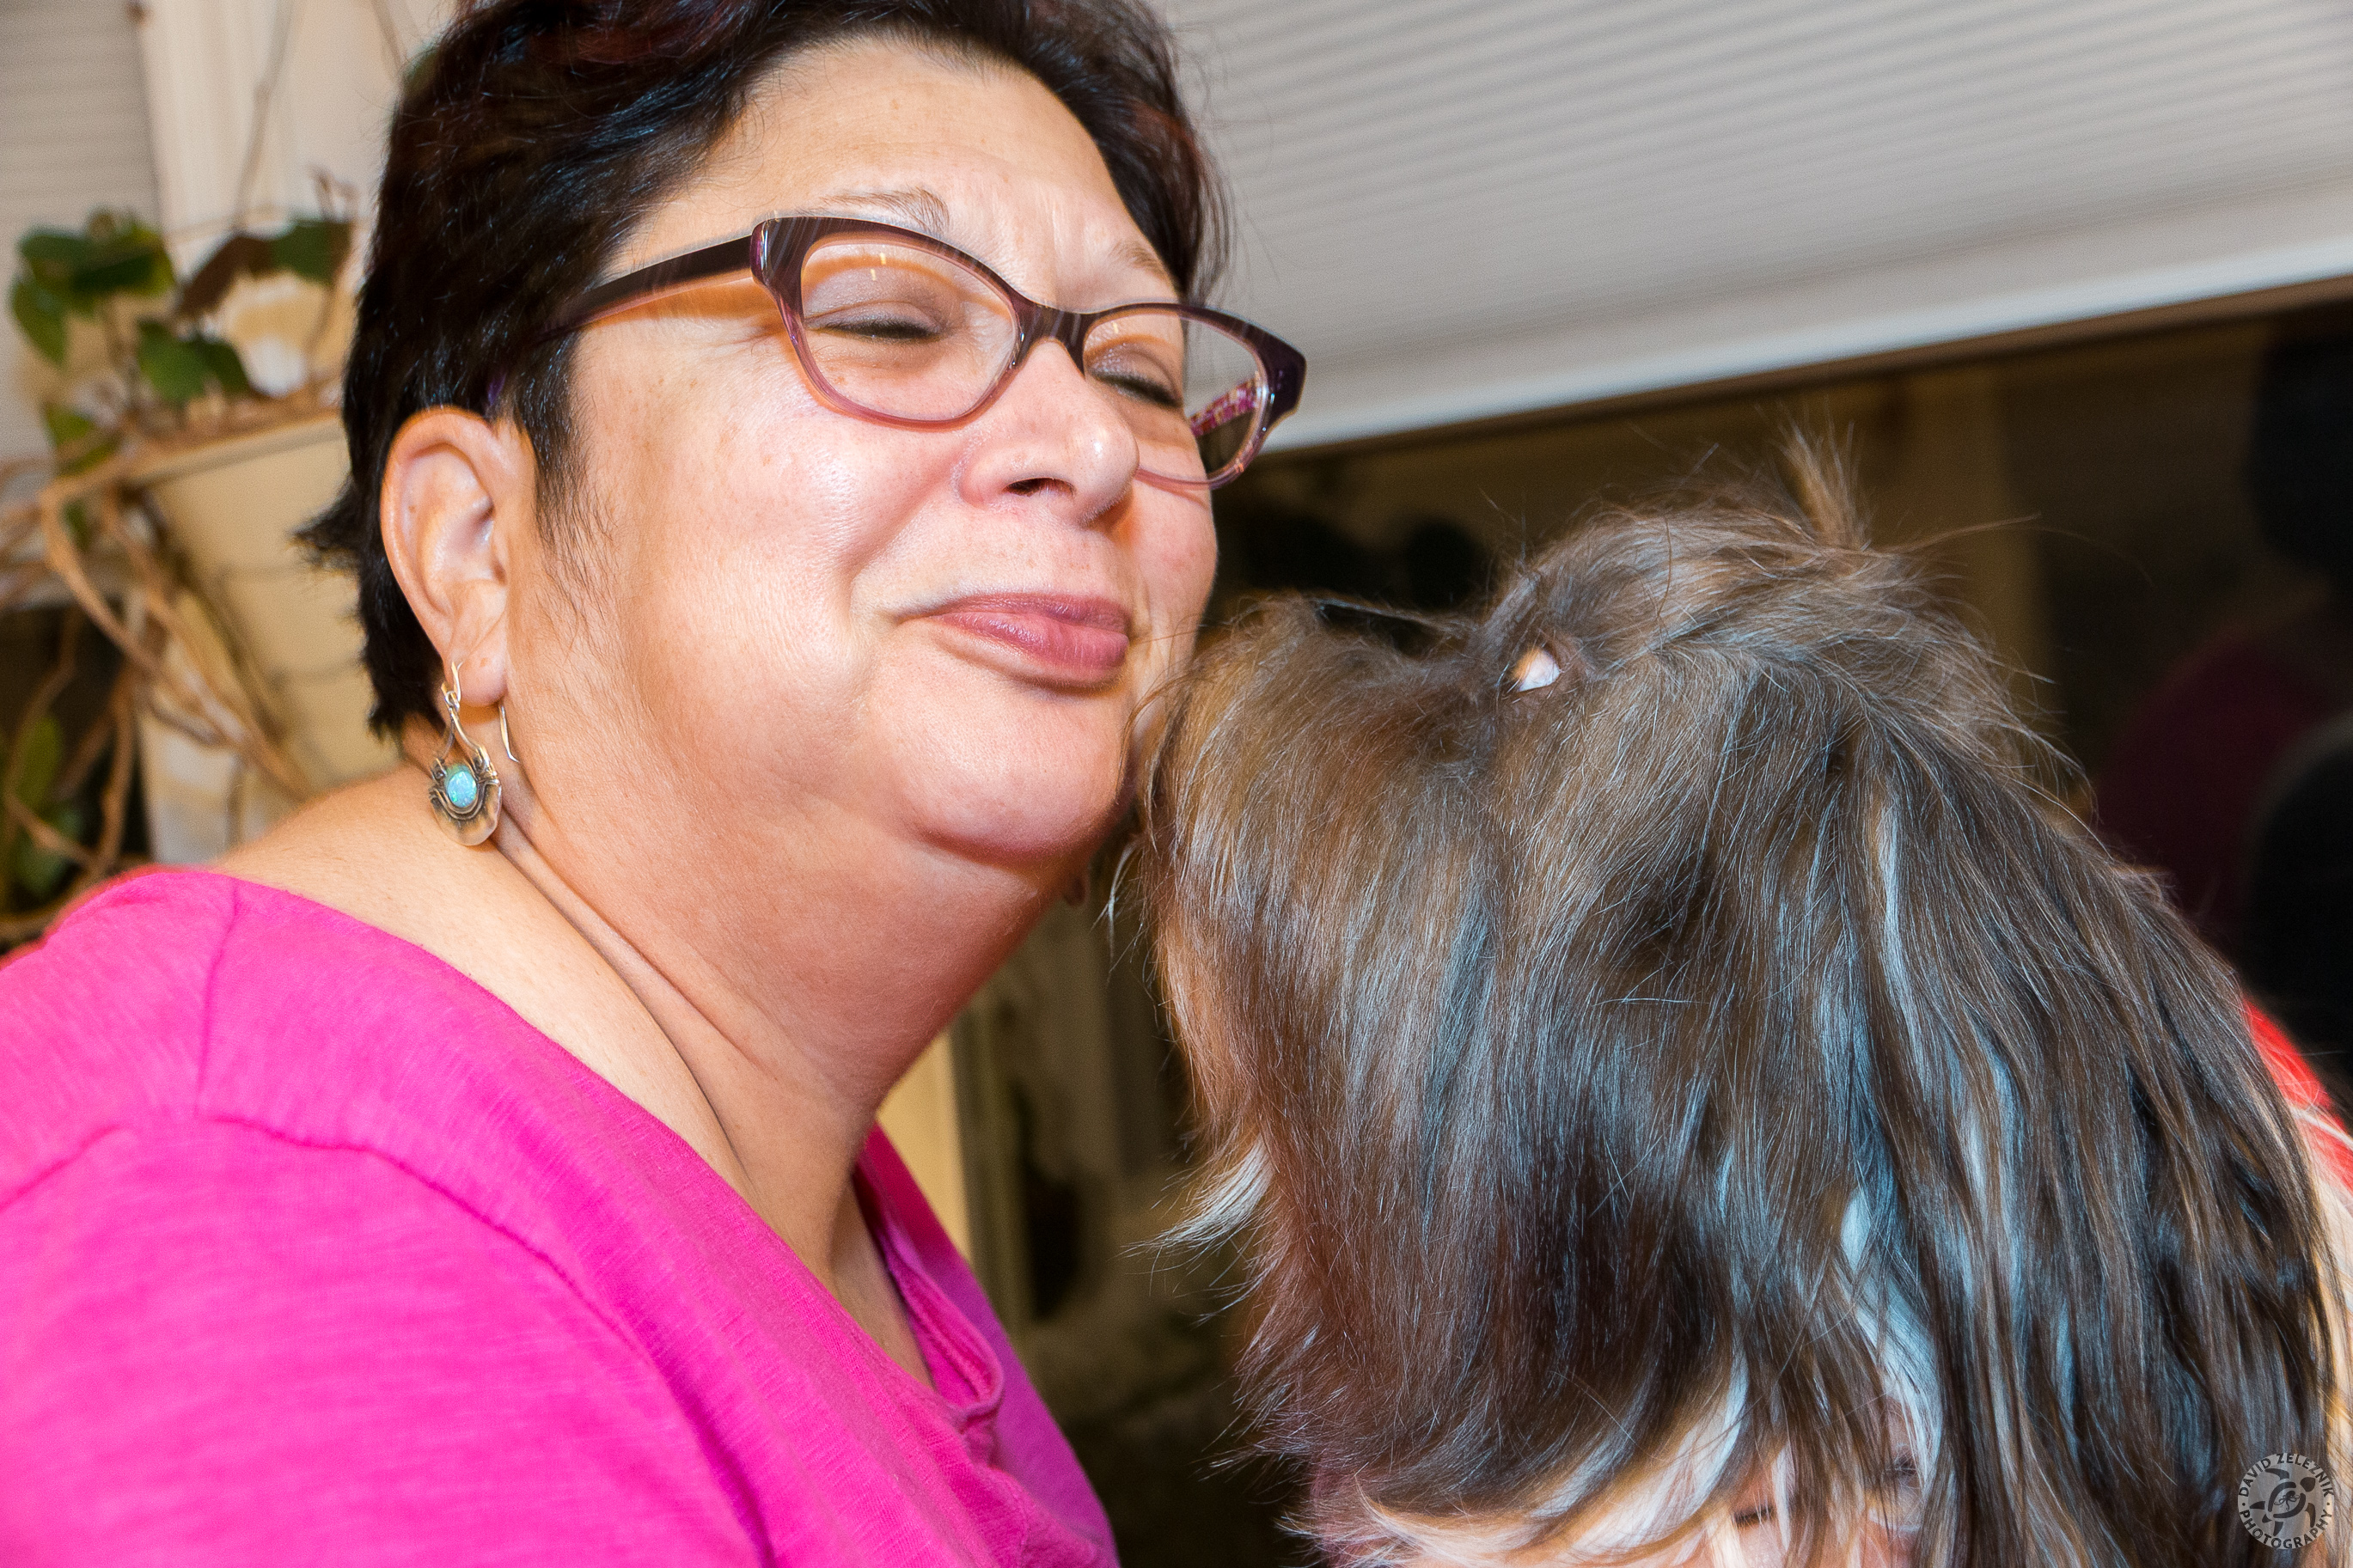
764	1029
790	1021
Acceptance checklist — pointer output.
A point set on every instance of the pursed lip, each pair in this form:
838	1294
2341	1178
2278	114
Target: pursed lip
1069	638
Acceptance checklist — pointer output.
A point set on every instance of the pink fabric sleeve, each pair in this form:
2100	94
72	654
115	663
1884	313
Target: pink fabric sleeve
220	1347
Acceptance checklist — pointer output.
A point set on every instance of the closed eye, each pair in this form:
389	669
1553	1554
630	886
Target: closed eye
893	329
1142	387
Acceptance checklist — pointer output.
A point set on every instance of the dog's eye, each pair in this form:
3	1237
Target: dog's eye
1536	669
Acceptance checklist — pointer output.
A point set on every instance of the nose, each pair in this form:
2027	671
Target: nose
1054	439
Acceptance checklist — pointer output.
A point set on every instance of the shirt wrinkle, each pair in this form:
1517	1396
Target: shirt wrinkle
774	1436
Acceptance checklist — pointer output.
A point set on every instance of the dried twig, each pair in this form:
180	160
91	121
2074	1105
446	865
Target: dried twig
94	739
114	805
144	621
20	745
14	467
234	719
47	838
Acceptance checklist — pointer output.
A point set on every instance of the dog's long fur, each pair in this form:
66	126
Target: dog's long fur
1724	1068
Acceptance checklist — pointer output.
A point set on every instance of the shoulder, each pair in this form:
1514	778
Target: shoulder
301	1228
301	1346
104	1020
182	1001
190	993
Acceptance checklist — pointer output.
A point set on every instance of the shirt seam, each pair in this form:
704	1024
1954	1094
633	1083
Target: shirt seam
41	1177
212	981
722	1463
204	1051
278	1135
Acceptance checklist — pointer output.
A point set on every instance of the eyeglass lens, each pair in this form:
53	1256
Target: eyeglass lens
910	334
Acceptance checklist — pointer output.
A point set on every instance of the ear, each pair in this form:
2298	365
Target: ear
456	487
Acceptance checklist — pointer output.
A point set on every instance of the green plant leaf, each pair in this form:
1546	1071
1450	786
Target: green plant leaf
171	365
180	368
45	753
41	315
66	427
115	254
312	249
222	364
135	274
66	424
124	256
36	870
53	255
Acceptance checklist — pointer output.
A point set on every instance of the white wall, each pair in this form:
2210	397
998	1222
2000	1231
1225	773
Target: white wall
73	136
204	60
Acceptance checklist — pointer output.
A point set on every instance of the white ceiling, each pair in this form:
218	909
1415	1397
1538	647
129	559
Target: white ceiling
1459	210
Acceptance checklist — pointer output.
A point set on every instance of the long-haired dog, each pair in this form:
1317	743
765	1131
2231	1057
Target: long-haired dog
1689	1094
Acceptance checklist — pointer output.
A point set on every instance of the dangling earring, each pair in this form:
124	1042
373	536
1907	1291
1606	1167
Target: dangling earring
465	793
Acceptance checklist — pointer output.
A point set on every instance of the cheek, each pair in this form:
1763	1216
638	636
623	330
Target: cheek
1175	546
762	494
717	463
738	527
1007	772
753	544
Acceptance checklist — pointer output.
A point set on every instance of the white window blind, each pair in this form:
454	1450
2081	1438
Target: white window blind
1461	210
73	136
1467	210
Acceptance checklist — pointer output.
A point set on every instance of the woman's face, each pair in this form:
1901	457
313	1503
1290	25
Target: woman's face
806	620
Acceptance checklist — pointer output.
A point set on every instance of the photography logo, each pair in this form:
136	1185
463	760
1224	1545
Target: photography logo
2286	1501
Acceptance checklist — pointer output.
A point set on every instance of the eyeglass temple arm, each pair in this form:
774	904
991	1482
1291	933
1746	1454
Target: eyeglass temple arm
1286	378
737	255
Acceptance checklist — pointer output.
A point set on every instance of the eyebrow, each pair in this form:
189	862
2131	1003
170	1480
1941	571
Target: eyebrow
914	207
1137	254
922	211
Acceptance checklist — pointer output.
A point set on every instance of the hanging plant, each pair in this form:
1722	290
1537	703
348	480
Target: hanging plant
64	788
238	345
160	362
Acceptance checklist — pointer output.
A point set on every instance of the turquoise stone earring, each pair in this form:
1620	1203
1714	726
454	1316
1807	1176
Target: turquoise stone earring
465	793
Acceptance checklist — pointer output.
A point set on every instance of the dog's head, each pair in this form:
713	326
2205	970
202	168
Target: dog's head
1663	1047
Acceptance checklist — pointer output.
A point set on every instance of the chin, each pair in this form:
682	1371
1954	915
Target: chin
1020	831
1039	790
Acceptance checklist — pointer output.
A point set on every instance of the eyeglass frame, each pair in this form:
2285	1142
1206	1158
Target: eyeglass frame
774	250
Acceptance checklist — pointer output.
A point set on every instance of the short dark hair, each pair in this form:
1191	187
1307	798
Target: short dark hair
1727	1054
536	133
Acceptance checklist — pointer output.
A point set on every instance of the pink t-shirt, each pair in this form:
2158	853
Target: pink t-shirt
312	1251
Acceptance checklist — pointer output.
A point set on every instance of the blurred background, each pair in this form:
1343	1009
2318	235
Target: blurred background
2078	269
